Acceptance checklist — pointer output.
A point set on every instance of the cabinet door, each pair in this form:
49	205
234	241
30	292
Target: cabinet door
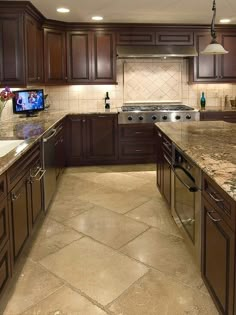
54	56
79	57
159	160
166	178
34	48
101	138
173	37
104	57
12	63
228	61
5	267
203	68
218	255
19	217
136	37
4	228
75	141
60	153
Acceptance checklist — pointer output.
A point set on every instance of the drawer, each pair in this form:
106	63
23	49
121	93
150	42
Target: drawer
135	37
4	229
22	166
137	132
174	38
137	150
5	271
220	200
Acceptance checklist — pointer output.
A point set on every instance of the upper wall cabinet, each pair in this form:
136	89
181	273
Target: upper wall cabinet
34	50
91	57
221	68
135	37
12	61
54	56
171	37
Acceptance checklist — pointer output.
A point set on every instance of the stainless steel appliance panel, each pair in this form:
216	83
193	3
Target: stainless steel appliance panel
49	181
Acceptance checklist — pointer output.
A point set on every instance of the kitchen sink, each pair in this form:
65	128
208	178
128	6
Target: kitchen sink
7	145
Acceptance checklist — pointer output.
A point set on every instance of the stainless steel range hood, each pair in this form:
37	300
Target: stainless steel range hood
124	52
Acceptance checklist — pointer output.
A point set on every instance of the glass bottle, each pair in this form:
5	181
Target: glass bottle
107	101
203	101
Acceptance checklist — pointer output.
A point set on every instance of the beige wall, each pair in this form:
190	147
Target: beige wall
156	80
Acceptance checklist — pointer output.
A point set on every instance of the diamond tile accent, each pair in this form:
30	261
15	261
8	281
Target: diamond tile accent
152	81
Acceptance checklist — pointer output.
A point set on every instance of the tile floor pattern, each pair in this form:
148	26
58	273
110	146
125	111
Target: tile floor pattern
108	245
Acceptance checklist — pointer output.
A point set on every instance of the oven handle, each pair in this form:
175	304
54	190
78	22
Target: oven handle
193	188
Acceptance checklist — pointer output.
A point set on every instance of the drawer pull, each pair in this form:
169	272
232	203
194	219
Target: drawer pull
41	176
14	196
214	198
167	145
38	169
100	116
211	217
138	132
138	150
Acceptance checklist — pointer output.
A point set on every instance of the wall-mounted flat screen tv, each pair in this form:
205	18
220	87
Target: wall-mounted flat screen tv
28	102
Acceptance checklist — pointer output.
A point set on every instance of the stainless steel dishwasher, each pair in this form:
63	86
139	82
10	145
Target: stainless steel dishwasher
49	180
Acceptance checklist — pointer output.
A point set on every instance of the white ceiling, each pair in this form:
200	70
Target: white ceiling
138	11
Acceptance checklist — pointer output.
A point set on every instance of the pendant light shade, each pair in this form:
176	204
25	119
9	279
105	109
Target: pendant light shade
214	48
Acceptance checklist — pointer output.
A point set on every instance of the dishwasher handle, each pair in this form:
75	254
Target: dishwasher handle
51	135
192	187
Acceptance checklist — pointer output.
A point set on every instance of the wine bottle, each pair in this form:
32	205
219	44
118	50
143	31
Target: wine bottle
203	101
107	101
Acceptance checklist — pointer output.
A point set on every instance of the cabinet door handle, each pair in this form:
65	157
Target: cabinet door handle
38	169
84	120
101	116
213	197
159	135
211	217
14	196
41	176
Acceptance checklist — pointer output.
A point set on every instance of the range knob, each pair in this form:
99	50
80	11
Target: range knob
130	118
164	117
188	116
154	117
140	118
177	117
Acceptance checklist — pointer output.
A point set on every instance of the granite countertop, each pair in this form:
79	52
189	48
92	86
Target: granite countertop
211	145
30	130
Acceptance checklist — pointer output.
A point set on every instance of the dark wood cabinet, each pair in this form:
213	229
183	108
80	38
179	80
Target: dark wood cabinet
4	223
228	116
19	217
133	36
60	153
218	257
91	57
79	48
104	57
54	56
137	143
91	139
5	267
221	68
34	50
173	37
12	61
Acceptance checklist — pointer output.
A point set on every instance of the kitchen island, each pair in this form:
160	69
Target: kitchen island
211	146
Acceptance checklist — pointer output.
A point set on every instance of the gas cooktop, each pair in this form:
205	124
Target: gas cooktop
152	108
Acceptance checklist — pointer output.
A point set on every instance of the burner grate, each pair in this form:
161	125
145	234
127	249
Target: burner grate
152	108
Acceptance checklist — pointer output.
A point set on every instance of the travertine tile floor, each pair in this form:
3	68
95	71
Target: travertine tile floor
108	245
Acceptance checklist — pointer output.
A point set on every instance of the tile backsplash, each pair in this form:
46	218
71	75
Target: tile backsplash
138	80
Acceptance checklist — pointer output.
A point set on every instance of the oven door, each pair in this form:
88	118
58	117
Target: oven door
184	200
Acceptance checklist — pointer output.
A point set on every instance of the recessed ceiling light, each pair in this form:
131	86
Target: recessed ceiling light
63	10
97	18
225	20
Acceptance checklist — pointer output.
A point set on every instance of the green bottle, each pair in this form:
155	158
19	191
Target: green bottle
203	101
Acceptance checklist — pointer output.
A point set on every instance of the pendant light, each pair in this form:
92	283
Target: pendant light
214	48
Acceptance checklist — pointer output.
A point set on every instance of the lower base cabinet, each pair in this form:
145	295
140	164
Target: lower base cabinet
218	258
5	267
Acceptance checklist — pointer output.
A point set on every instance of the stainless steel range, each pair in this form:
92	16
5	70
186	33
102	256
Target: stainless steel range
135	114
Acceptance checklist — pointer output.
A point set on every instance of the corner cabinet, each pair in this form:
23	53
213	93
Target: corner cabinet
91	139
91	57
55	56
210	69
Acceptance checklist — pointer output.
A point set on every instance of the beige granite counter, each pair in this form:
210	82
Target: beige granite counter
211	145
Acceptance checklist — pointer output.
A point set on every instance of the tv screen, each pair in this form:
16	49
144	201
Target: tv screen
28	101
